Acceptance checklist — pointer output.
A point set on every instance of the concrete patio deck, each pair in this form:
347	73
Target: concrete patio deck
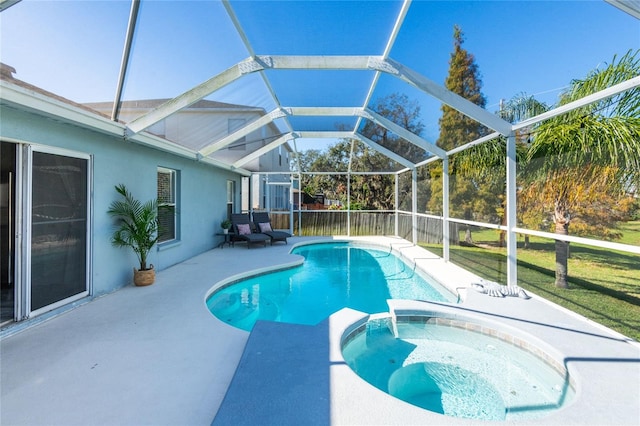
156	356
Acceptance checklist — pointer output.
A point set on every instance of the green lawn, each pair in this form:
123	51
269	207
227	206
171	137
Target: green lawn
630	233
604	285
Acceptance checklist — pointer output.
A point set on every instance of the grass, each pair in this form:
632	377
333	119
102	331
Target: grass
604	285
630	233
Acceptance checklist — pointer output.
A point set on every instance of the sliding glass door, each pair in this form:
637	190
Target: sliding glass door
58	229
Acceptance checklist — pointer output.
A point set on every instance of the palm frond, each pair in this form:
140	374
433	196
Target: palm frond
136	224
605	133
618	71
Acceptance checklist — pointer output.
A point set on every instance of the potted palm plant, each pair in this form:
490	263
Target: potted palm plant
225	225
136	227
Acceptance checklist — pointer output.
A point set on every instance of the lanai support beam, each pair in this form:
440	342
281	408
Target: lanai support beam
386	152
183	101
6	4
124	63
512	248
397	204
404	133
445	209
414	206
330	111
630	84
263	62
258	152
324	111
325	134
242	132
450	98
387	51
247	66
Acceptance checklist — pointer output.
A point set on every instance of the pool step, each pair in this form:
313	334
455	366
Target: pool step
381	321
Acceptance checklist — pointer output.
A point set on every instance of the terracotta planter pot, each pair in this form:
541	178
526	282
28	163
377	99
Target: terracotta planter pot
142	278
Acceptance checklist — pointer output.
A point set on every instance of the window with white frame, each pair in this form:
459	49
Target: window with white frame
279	201
167	204
231	196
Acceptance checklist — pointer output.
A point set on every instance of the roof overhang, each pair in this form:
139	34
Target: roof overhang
20	98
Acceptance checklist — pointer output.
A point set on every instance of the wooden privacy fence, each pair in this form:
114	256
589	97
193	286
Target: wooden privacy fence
334	222
429	229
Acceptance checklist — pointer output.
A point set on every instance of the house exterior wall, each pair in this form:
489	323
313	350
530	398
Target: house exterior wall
202	192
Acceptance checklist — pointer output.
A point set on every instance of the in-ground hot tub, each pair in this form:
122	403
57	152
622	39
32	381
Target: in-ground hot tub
458	367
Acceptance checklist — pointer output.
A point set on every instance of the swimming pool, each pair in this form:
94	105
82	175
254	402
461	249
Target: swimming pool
458	368
333	276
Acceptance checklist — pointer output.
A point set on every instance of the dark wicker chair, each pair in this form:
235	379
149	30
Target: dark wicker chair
263	218
244	231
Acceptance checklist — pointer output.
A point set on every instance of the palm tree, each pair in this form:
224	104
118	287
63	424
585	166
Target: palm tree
486	162
519	108
591	150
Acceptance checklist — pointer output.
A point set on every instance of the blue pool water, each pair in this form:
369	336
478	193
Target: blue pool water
457	372
333	276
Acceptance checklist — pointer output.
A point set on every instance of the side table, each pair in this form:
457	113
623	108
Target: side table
227	239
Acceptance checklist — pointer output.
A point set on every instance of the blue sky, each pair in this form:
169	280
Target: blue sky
73	48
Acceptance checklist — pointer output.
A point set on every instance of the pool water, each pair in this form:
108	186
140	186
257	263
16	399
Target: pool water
457	372
333	276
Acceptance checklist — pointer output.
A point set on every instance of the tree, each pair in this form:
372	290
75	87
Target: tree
516	109
371	192
577	157
334	159
405	113
457	129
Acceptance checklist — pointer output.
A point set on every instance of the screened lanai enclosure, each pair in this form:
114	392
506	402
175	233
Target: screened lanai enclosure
334	114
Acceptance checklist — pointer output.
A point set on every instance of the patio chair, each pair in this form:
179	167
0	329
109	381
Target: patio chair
263	222
244	230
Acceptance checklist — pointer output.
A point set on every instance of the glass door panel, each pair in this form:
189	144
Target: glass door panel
58	228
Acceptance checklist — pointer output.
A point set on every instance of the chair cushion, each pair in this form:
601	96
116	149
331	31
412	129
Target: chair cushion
265	227
244	229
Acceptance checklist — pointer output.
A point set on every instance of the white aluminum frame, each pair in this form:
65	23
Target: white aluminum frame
134	130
